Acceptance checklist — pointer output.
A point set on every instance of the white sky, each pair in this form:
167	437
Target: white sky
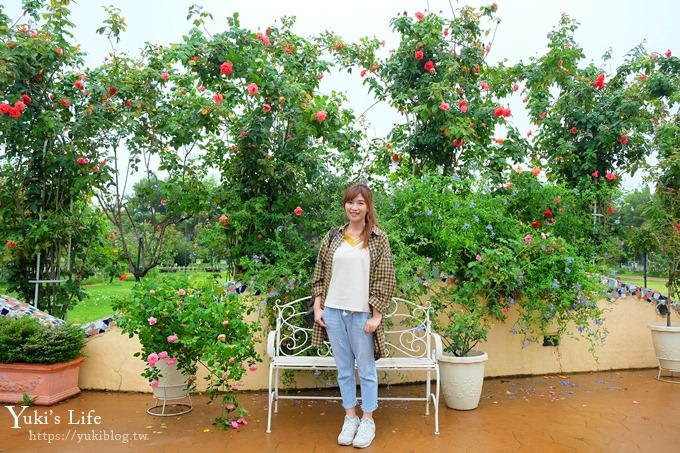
616	24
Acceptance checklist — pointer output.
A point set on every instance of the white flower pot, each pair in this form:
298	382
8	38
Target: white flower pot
666	342
462	379
172	384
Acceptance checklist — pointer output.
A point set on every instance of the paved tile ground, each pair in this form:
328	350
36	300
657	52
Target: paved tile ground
618	411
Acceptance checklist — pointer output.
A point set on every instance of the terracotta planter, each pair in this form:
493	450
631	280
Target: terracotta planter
45	384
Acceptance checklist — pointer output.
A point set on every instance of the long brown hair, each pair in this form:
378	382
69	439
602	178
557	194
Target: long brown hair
350	194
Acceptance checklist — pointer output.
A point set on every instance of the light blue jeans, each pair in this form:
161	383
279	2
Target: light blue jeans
350	343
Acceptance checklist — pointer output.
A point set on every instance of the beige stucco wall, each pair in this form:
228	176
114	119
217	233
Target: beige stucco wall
110	364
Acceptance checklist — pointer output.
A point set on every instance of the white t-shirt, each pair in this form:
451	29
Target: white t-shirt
348	289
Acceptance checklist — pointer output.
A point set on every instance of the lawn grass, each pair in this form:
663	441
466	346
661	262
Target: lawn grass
655	283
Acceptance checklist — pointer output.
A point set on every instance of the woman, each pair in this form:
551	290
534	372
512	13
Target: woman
353	284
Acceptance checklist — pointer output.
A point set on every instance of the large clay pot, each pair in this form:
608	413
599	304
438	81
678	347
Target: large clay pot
462	379
44	384
666	341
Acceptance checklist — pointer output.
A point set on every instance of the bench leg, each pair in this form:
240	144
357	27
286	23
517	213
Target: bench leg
270	397
427	394
276	391
436	404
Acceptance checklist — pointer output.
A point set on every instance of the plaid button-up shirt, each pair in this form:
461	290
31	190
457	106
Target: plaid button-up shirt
381	282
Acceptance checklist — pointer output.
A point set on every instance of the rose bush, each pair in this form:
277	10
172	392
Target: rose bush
192	323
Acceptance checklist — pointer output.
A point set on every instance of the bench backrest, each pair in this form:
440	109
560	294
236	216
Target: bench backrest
407	330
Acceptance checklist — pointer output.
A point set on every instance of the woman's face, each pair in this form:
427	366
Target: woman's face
356	209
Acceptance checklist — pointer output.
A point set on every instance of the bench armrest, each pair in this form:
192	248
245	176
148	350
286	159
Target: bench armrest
438	348
271	344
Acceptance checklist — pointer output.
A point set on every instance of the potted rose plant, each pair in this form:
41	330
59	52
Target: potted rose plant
42	362
183	323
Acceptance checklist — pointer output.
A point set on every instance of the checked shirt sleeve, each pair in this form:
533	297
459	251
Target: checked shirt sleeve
382	281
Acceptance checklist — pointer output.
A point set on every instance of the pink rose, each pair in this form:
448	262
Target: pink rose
527	239
321	115
154	383
163	355
230	407
172	338
444	106
419	15
181	292
298	211
218	97
234	424
152	321
171	361
484	86
225	323
252	367
152	359
252	89
478	257
165	76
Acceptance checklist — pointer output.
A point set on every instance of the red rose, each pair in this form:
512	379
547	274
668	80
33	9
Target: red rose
515	87
227	68
611	210
11	244
80	83
165	76
224	220
266	108
547	213
363	72
298	211
113	91
201	89
82	161
20	106
58	50
429	66
13	112
65	102
458	142
4	107
595	174
668	53
26	98
218	97
339	45
462	105
252	89
484	86
419	55
288	49
498	111
395	158
536	224
494	7
599	82
573	131
419	15
444	106
128	103
321	115
610	176
123	277
506	112
623	139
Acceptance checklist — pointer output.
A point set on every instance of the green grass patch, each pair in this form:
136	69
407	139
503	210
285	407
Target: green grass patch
655	283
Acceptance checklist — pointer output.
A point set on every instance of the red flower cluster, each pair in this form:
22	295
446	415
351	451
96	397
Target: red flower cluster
573	131
82	161
419	54
458	142
599	81
501	111
11	244
264	38
547	214
623	139
14	111
536	224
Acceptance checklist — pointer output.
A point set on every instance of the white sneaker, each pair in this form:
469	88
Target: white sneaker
349	430
365	433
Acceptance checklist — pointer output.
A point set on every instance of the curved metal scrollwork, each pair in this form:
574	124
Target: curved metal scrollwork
407	330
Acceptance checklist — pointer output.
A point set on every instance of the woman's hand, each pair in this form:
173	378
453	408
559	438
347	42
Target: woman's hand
318	313
372	324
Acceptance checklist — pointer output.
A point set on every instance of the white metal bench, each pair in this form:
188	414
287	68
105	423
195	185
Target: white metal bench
411	346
